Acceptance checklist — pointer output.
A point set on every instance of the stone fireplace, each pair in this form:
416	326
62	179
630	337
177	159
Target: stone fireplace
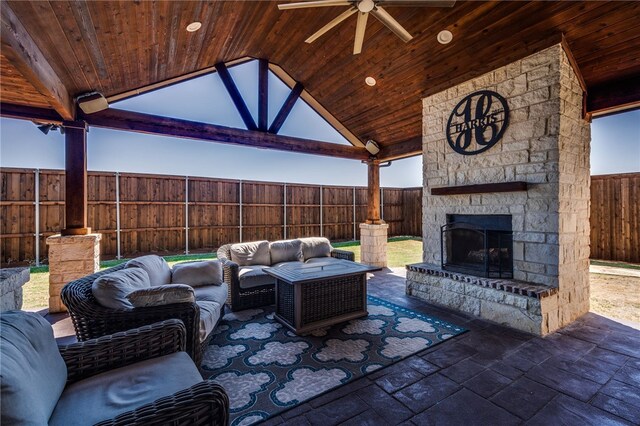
506	231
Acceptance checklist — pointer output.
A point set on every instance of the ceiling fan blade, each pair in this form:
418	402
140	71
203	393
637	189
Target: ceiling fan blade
330	25
315	3
361	26
414	3
391	23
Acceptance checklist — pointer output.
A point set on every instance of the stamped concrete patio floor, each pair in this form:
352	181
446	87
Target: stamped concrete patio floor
585	374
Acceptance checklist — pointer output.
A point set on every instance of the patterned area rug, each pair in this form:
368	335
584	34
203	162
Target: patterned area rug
266	369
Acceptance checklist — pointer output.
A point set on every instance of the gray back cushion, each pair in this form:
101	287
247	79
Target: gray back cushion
156	267
32	372
253	253
285	251
111	290
315	247
195	274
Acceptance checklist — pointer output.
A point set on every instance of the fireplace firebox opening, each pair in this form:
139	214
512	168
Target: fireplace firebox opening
480	245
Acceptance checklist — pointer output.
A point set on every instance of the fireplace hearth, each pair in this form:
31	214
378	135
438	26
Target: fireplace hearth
480	245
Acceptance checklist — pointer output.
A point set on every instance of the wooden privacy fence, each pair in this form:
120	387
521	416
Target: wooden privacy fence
615	217
138	213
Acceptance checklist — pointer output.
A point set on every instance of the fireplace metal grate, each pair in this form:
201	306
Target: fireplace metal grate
479	245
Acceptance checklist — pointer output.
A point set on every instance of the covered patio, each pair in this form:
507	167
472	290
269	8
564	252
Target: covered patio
529	75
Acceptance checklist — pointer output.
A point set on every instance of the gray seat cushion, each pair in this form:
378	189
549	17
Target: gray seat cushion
162	295
156	267
323	260
32	372
254	276
315	247
206	272
109	394
253	253
111	290
285	251
212	293
209	315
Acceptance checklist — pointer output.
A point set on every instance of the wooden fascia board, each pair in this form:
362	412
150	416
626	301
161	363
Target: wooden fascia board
316	106
23	53
614	96
165	126
171	81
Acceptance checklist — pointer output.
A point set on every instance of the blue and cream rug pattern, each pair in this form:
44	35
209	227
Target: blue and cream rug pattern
266	369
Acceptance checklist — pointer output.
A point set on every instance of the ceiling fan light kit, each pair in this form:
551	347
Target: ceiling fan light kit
364	8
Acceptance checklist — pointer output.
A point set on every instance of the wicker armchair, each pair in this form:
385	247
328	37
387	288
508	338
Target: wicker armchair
92	320
201	403
246	298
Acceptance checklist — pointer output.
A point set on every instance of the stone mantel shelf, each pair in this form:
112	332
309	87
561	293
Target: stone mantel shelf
483	188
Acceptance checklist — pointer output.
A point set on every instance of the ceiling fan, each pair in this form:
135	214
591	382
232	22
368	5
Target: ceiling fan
364	8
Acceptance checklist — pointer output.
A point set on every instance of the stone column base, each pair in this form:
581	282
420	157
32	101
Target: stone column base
70	257
373	244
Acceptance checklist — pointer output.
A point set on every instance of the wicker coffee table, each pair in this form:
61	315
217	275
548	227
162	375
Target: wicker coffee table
310	296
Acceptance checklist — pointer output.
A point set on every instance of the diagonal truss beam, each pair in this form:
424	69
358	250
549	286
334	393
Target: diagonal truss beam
236	97
286	108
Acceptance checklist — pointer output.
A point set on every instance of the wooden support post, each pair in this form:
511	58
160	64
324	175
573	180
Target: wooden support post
373	193
75	178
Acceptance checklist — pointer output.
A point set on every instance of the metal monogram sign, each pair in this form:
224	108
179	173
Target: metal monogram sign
477	122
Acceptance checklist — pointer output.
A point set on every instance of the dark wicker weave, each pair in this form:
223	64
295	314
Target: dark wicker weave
202	404
241	298
92	320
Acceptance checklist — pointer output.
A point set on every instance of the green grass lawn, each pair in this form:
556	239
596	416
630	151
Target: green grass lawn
401	251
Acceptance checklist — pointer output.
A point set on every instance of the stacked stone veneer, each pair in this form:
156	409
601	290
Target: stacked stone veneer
11	282
373	244
546	145
70	257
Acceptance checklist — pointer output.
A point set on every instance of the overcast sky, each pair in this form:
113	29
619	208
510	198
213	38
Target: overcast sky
615	144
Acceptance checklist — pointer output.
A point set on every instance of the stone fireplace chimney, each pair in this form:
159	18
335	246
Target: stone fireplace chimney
537	172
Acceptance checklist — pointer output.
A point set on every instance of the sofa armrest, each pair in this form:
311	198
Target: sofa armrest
343	254
203	403
105	353
229	272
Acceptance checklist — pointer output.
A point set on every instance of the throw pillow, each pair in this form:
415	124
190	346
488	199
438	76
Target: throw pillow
315	247
156	267
111	290
254	253
195	274
162	295
286	251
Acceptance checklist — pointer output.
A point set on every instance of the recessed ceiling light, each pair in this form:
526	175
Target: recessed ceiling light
370	81
194	26
445	37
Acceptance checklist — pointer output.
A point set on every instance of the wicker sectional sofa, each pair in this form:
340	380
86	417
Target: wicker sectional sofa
92	318
243	263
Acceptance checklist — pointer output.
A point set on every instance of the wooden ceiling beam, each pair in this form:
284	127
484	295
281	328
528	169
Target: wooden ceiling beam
23	53
614	96
286	108
236	97
263	94
152	124
409	148
22	112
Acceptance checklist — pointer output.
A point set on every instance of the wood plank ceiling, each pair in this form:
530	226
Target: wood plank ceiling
113	47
